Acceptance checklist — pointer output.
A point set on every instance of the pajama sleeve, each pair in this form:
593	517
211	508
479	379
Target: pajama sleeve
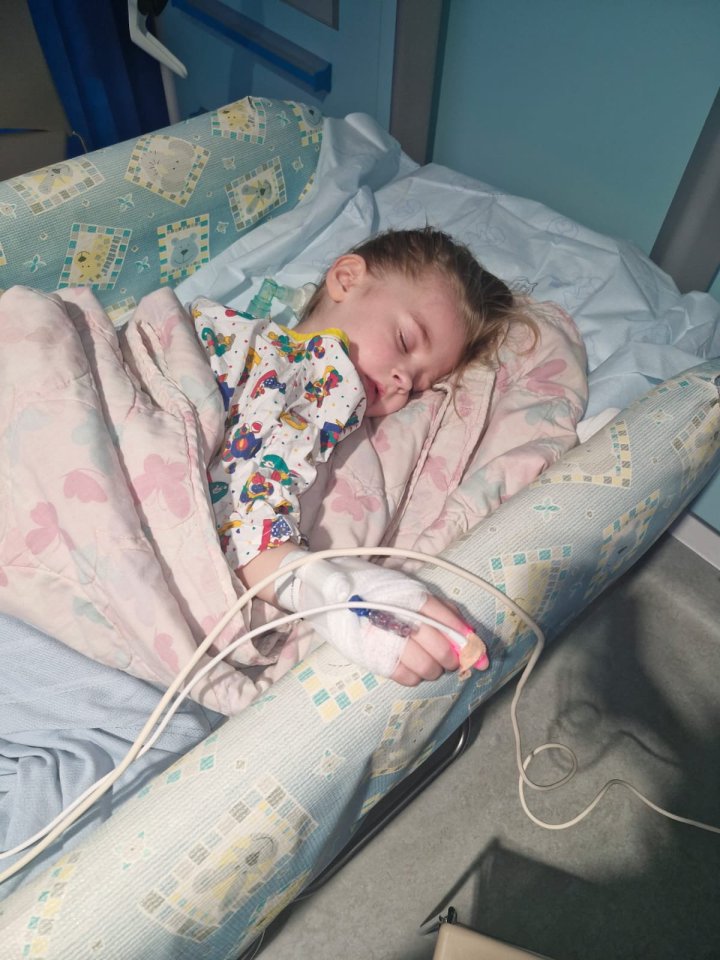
289	400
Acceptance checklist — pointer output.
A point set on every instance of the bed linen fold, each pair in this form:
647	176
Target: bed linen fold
108	540
107	537
66	721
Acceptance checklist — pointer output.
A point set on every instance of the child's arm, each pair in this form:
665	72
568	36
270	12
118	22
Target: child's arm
264	564
424	655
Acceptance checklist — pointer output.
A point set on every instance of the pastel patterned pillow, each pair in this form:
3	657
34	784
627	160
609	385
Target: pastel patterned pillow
132	217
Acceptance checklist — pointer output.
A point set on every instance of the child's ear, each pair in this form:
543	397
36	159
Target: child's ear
344	274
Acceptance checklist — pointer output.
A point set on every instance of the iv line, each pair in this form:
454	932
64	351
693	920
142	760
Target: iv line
99	789
196	678
84	802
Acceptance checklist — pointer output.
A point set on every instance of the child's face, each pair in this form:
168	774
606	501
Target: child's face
405	335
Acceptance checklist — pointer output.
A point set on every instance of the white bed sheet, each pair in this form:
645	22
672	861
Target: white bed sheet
637	327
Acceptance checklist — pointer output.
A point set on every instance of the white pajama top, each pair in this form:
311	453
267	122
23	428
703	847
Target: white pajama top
289	399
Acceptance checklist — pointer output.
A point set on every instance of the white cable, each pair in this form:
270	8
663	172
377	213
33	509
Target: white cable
94	793
142	743
522	765
291	618
184	693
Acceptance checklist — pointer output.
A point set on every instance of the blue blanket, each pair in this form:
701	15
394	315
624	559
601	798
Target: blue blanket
65	721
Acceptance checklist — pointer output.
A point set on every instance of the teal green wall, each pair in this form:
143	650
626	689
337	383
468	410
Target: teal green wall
707	505
361	52
592	107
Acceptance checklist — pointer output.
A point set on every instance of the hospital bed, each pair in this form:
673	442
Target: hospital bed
225	822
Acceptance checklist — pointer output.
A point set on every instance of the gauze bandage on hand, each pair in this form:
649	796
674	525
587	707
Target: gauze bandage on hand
336	581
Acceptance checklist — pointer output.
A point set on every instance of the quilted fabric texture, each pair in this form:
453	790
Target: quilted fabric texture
129	218
275	784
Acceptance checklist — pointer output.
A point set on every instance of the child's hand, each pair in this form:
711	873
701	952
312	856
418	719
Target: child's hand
428	652
423	655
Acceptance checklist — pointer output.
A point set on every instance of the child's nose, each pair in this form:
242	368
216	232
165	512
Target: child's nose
403	379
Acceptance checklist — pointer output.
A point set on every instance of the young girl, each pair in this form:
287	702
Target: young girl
393	317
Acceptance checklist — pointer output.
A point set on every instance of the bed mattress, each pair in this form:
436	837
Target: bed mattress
200	855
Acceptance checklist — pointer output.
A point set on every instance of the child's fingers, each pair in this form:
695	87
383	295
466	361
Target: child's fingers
404	676
426	656
474	652
429	652
444	613
437	646
420	656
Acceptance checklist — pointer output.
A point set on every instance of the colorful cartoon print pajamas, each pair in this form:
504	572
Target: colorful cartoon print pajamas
289	399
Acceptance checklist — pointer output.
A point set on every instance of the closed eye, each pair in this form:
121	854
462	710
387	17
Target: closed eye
403	342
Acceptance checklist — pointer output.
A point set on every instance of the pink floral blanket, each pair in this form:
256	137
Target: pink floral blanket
424	476
107	535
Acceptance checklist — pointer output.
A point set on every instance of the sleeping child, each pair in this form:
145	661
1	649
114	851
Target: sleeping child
392	318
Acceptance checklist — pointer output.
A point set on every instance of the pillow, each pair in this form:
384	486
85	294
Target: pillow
130	218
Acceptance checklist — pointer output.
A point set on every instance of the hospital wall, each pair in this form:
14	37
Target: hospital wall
593	108
360	52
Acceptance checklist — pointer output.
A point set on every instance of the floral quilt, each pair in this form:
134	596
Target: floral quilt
107	534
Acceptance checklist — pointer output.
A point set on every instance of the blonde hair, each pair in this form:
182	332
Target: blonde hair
486	304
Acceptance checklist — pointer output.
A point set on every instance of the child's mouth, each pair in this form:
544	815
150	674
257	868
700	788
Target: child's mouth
373	391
